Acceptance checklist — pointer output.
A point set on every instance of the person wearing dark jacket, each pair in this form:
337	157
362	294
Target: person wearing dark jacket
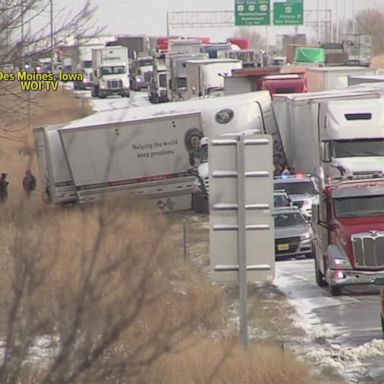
3	188
29	183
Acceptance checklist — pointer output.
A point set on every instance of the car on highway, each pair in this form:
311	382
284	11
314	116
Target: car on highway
293	234
300	189
281	199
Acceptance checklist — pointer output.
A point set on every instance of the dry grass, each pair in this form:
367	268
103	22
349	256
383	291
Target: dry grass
110	273
17	152
377	61
113	275
227	362
61	243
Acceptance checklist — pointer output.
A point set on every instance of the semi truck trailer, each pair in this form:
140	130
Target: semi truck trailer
332	134
155	151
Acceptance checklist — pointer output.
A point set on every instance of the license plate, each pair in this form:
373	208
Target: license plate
282	247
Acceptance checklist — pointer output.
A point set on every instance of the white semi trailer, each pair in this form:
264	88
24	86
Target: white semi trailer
334	133
328	78
152	151
206	77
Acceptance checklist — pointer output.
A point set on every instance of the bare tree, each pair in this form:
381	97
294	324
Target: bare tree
28	32
371	22
101	288
254	37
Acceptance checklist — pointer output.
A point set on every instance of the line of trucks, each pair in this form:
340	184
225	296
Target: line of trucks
161	152
116	64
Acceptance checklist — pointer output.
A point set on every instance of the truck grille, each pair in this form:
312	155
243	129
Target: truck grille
115	84
287	245
368	249
147	76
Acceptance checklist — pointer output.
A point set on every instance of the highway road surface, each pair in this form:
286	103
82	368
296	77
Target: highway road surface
345	331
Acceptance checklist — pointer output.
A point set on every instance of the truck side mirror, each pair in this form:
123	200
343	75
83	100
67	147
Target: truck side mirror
329	227
319	181
326	151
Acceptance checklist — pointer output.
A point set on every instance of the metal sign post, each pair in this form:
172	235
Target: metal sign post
241	242
241	223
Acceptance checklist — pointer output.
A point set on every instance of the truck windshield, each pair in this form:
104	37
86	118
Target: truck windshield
296	188
115	70
146	68
288	220
87	63
146	62
359	148
359	206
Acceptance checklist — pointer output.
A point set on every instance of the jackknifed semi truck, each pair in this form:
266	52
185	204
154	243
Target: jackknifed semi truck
155	151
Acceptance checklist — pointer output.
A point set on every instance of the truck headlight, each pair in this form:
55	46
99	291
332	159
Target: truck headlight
340	263
102	86
338	259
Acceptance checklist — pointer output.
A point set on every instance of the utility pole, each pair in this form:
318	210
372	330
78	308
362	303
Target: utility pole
337	37
167	24
52	45
318	21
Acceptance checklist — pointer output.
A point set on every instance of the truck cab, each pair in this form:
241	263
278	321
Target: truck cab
284	83
348	147
332	134
141	72
110	72
158	84
349	233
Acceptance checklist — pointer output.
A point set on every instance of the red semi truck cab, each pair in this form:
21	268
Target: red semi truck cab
348	228
270	79
284	83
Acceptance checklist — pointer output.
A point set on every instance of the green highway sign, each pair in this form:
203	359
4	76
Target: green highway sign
290	12
252	12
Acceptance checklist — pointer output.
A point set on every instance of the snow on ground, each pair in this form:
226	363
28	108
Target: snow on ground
318	347
43	348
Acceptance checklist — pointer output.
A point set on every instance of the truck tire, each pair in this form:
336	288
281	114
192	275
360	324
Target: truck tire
382	323
318	274
95	91
199	203
334	290
205	206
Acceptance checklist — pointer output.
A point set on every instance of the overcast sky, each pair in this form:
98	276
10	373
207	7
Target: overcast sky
149	16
